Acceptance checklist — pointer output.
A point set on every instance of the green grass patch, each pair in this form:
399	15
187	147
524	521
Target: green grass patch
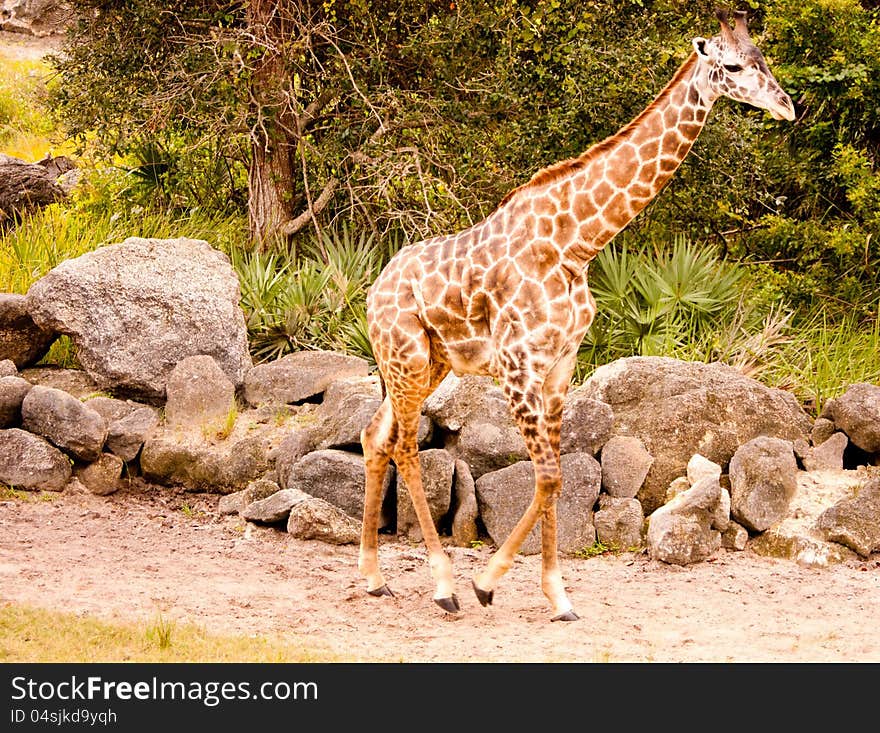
30	634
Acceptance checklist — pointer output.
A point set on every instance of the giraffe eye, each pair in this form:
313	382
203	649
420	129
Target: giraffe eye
733	68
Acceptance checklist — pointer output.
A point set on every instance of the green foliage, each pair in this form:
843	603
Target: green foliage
317	300
654	302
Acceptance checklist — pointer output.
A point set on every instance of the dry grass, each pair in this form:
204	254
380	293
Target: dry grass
30	634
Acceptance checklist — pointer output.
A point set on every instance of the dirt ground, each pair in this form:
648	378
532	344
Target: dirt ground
148	550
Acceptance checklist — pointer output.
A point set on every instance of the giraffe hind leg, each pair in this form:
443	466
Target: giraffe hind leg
377	440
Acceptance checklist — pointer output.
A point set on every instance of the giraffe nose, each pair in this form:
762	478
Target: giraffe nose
783	107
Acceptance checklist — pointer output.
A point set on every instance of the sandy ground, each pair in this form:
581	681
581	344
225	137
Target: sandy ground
148	550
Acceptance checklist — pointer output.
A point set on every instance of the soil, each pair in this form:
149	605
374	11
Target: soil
147	550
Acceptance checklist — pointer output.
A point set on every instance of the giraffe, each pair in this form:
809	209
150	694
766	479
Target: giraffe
508	297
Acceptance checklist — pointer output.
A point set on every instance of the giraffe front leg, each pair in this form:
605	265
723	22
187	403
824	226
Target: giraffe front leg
551	576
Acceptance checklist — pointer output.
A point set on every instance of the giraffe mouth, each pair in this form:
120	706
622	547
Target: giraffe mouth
783	109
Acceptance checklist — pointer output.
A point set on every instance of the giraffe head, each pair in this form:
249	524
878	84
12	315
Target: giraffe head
736	68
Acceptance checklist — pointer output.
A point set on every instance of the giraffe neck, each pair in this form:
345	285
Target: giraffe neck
600	192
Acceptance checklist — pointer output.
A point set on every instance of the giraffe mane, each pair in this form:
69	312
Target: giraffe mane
559	170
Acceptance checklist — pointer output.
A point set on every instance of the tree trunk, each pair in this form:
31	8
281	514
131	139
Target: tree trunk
271	177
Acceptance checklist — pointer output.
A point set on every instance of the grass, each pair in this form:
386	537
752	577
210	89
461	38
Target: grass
29	634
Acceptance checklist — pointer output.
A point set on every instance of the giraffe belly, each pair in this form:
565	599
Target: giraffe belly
473	356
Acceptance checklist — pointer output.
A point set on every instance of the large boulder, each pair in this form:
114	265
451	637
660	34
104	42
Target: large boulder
680	408
136	309
504	495
21	340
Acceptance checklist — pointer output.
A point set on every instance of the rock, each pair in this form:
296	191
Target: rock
234	503
458	400
763	477
857	413
680	408
290	451
700	467
102	476
110	408
855	522
8	368
73	381
12	393
619	522
735	537
681	532
35	17
198	393
338	477
25	189
625	464
297	377
64	421
27	461
347	408
316	519
437	469
274	508
586	424
465	509
823	428
127	435
224	468
827	455
22	341
487	446
503	496
796	536
137	308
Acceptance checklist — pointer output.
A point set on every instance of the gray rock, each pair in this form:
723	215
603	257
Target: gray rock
127	435
700	467
275	508
12	393
823	428
676	487
64	421
763	478
625	464
487	446
587	424
73	381
8	368
111	408
299	376
296	444
27	461
437	469
735	537
136	309
234	503
619	522
22	341
796	536
459	400
857	413
681	532
855	522
167	458
316	519
504	495
102	476
347	408
827	455
465	509
338	477
680	408
198	393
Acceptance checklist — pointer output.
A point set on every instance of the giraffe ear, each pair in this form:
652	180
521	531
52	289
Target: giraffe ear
700	48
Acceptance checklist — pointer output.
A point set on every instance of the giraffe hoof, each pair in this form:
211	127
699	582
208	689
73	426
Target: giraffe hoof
483	596
450	605
383	590
567	616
